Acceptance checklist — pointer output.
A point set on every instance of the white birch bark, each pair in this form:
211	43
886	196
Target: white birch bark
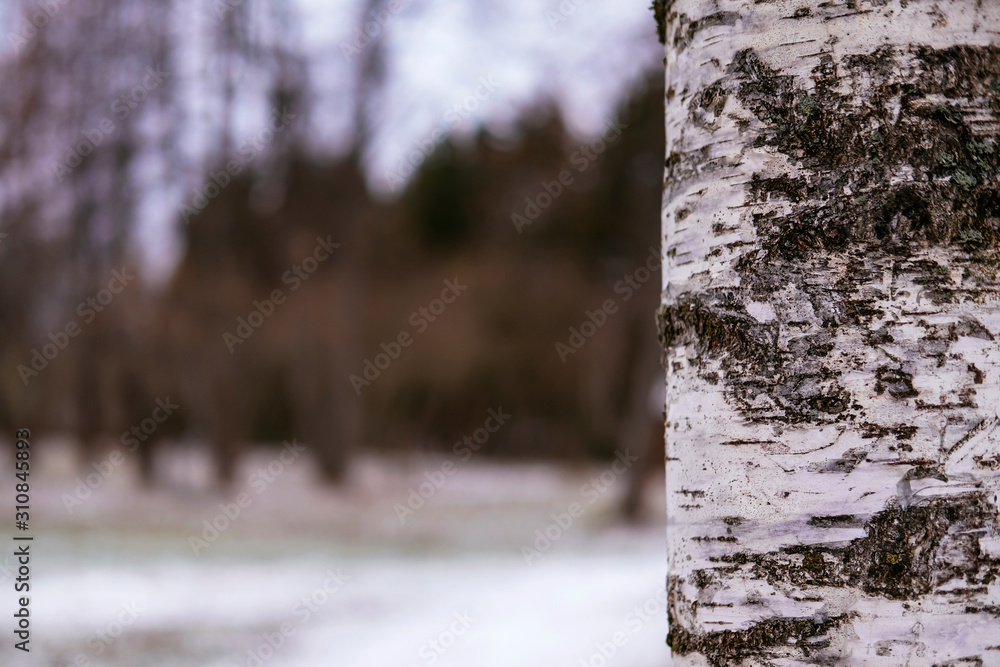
830	322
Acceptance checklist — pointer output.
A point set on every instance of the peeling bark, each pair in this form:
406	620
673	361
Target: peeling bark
830	319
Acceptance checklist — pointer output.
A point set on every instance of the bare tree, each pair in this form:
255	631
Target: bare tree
829	319
81	83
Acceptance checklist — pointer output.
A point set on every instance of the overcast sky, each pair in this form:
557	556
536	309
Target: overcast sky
583	56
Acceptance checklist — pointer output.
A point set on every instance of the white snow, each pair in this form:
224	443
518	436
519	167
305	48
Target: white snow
126	549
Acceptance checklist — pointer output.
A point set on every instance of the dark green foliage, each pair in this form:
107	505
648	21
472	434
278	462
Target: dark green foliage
439	200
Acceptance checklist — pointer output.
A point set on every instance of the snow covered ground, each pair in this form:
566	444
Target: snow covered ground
308	577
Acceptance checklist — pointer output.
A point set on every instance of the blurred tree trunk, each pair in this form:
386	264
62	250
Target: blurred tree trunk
829	321
641	429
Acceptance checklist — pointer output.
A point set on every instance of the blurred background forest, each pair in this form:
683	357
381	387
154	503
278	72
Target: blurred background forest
376	228
125	118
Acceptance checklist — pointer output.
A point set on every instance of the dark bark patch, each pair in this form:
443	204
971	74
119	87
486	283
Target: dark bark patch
861	311
813	562
792	189
799	387
841	466
715	327
711	377
854	153
900	432
970	326
897	382
971	661
905	210
836	521
905	553
710	100
987	463
730	647
710	538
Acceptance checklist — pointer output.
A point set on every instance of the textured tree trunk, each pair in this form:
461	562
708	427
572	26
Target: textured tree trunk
830	319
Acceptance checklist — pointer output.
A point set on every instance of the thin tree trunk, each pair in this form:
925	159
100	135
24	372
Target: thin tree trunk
830	320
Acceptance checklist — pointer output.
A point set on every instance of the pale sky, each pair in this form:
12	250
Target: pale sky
439	50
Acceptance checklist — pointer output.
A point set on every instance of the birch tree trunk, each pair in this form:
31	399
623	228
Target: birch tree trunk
830	319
